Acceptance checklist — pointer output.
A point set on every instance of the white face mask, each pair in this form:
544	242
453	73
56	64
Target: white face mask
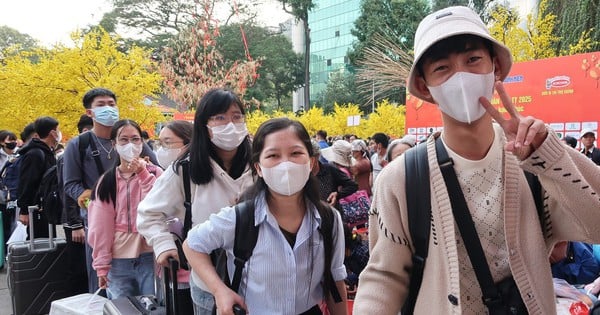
286	178
228	137
166	156
58	137
129	151
458	97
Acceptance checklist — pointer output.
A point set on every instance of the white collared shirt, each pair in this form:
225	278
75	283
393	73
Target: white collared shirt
277	279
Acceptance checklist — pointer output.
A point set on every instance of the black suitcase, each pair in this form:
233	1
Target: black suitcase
148	304
37	272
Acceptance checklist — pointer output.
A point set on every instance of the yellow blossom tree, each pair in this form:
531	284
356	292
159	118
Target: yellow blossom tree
54	84
315	119
340	116
537	40
387	118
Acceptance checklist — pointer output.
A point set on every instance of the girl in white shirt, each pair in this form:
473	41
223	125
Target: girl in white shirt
219	163
298	259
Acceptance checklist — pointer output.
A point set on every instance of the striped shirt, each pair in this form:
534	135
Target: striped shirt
278	279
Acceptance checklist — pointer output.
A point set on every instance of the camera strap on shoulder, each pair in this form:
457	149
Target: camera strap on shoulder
466	226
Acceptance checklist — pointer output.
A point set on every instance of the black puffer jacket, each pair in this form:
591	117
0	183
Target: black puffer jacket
36	157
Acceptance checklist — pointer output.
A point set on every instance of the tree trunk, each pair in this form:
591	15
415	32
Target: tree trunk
306	63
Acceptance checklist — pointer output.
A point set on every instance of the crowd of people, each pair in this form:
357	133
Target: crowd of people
132	203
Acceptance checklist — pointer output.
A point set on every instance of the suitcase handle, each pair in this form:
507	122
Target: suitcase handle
170	279
51	245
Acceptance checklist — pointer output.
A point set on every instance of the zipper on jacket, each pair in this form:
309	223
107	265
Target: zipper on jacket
128	206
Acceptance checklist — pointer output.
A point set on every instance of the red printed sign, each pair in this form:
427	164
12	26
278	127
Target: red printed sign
564	92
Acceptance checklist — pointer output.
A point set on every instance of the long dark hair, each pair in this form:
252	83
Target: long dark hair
201	150
106	187
310	190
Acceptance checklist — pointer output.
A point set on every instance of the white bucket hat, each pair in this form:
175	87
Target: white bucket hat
450	22
339	152
586	131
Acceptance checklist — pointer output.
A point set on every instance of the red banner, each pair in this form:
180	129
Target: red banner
564	92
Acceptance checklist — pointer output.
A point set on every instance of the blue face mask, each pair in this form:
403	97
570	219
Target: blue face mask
106	115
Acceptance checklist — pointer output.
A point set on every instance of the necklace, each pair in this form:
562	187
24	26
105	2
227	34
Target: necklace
103	148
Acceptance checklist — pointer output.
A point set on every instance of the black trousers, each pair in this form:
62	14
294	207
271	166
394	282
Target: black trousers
76	263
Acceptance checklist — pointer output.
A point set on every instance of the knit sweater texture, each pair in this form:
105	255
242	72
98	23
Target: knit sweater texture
571	183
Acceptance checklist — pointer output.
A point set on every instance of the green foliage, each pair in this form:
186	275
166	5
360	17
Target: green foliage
55	84
440	4
573	19
340	89
13	41
395	20
281	71
299	9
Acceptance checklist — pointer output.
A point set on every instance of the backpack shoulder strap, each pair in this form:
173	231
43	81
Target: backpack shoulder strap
418	206
536	190
246	235
187	192
85	141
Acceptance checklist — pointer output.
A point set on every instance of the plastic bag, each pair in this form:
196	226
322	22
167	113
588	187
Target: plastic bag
18	235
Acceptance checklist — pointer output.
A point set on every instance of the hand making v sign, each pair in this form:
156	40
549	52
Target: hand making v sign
524	134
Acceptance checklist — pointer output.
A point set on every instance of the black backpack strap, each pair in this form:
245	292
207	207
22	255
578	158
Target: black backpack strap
85	141
187	192
536	190
418	206
246	235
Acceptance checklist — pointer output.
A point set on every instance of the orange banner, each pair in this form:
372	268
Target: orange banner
564	92
184	116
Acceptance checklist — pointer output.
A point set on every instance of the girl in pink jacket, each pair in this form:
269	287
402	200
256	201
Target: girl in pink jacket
121	257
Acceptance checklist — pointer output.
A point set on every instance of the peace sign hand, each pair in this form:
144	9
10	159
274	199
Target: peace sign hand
524	134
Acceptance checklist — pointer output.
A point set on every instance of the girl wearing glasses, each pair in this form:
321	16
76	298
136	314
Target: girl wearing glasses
121	257
219	167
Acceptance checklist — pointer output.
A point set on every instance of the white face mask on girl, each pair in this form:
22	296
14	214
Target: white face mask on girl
458	97
166	156
286	178
129	151
228	137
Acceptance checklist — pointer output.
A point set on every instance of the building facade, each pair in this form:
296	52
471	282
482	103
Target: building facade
330	24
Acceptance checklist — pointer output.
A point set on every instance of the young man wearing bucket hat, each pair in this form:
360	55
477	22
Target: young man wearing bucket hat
457	65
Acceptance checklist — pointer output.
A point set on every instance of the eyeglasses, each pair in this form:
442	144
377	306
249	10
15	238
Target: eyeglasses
125	140
167	144
222	119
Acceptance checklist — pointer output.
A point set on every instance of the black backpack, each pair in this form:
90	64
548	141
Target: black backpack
49	194
246	235
52	199
418	206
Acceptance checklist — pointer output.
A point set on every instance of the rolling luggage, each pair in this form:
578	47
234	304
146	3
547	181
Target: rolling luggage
148	304
37	273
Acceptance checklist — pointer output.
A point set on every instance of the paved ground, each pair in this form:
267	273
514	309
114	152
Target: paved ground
5	303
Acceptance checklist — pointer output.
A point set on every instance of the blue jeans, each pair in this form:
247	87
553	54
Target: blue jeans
204	302
131	276
91	273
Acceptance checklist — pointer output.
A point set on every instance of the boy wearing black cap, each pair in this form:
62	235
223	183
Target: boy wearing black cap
457	65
